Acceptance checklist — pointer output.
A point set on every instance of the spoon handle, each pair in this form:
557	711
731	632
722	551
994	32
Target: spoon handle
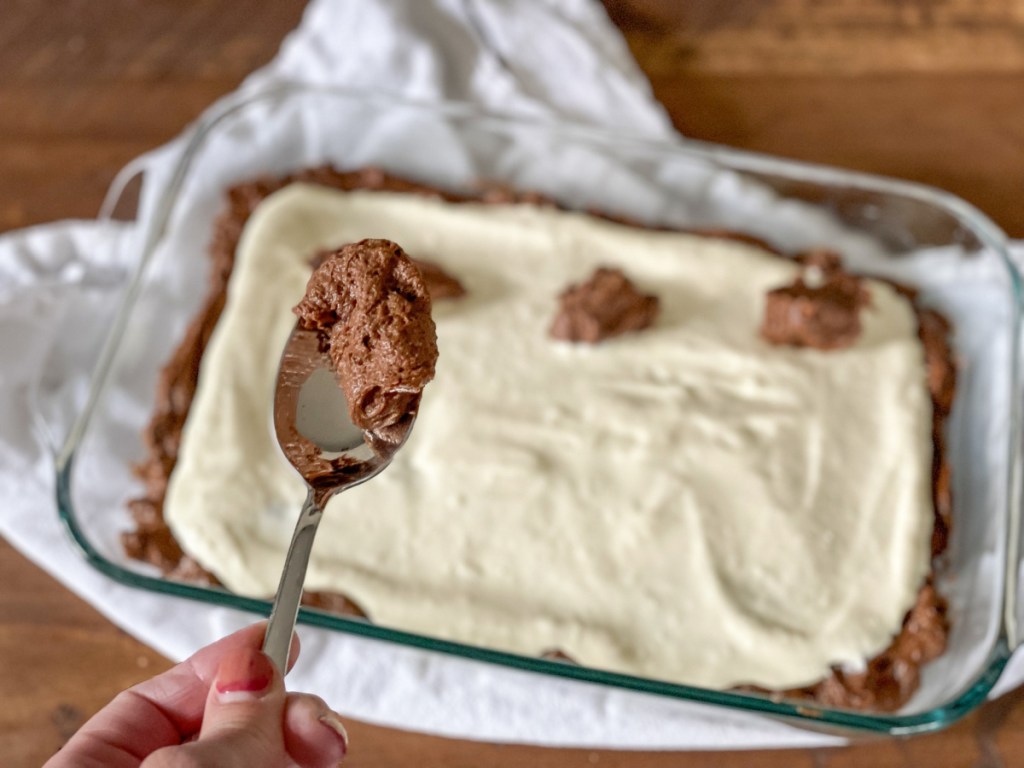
278	639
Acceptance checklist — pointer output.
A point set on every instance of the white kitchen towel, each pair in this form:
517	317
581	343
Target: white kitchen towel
548	59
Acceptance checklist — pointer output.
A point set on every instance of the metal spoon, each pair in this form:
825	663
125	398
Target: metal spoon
319	439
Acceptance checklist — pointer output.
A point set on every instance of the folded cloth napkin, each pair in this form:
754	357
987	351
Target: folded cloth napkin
551	59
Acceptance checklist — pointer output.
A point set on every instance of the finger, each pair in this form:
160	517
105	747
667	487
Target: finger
182	691
313	735
243	720
158	712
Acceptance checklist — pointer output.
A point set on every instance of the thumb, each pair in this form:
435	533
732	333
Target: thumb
247	696
244	715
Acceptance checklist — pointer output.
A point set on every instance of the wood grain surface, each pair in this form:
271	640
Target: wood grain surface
931	90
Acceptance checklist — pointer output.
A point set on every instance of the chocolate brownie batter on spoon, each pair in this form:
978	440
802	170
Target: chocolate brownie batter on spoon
347	392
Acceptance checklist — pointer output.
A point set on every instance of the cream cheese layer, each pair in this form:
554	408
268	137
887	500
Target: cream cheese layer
686	503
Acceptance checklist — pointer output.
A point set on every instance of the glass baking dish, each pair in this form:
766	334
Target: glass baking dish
955	257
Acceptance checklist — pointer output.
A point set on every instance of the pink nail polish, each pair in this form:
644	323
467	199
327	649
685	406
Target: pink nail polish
331	721
244	673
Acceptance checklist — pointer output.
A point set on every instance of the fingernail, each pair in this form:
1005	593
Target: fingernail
244	674
336	727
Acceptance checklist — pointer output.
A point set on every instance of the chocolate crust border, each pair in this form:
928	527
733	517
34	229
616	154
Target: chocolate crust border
888	680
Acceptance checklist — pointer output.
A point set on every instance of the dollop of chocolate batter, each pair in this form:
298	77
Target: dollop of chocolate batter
440	284
821	309
606	305
371	306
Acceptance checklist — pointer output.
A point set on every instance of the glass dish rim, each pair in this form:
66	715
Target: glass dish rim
807	714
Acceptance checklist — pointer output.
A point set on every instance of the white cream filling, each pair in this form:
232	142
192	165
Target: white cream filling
686	503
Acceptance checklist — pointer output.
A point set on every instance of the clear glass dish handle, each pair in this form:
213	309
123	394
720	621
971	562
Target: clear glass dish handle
1013	610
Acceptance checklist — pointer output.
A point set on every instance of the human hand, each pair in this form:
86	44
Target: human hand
225	706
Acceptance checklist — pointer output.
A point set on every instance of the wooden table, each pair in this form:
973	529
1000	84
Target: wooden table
927	90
